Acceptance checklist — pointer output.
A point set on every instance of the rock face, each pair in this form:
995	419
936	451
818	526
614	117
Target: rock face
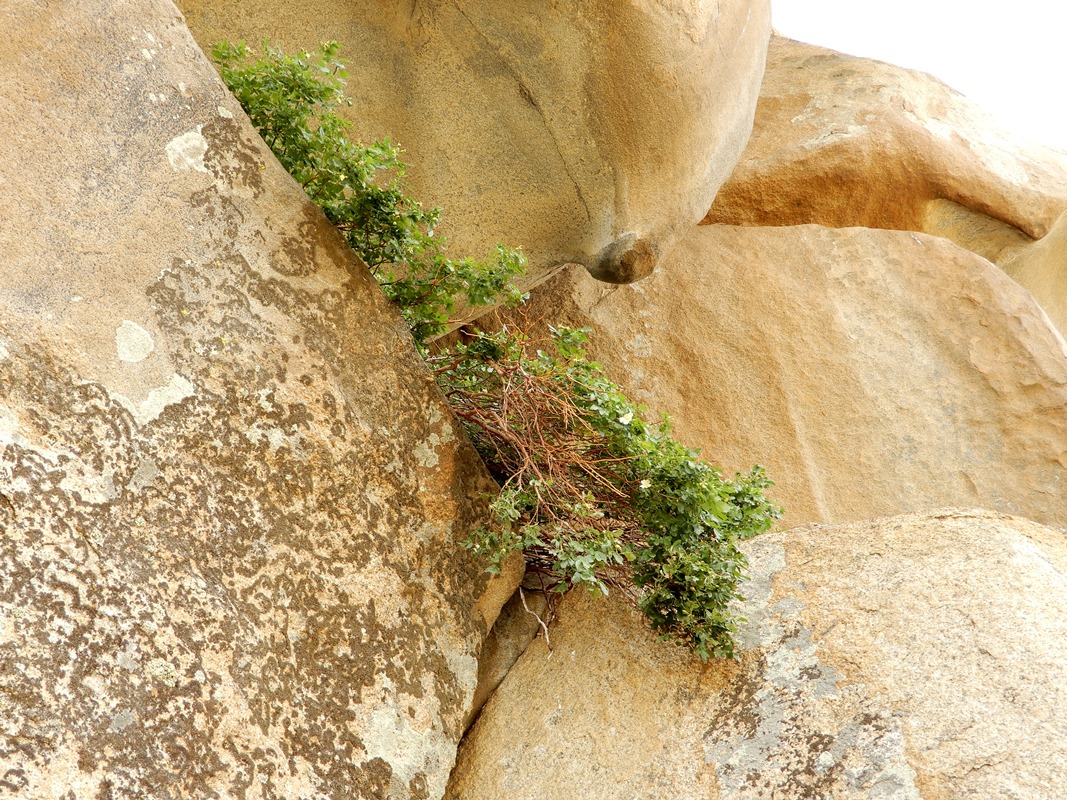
1042	268
514	629
593	132
843	141
230	494
925	669
872	372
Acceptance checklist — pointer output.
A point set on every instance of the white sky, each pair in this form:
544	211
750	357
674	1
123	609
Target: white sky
1009	58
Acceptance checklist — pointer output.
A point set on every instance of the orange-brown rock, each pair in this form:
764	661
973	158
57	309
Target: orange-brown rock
872	372
912	657
231	497
843	141
586	132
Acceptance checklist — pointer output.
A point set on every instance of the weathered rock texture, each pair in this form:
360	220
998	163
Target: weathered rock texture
230	494
1042	268
843	141
586	132
872	372
906	658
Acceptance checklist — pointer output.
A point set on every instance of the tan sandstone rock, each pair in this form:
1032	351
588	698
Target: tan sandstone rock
872	372
230	495
586	132
911	657
1042	268
844	141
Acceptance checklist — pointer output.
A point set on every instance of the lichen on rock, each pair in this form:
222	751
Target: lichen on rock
225	571
906	676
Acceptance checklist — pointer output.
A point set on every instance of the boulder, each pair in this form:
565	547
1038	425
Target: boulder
519	621
231	496
844	141
911	657
1042	268
872	372
586	132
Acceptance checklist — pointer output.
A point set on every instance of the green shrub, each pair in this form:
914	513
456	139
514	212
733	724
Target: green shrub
292	102
592	493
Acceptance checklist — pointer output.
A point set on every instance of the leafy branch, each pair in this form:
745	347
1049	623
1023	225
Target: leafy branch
595	495
292	101
592	493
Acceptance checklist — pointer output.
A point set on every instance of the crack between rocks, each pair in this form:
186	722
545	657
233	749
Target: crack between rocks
527	95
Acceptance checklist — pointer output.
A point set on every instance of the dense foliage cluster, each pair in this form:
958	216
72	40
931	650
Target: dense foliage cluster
596	495
292	102
590	491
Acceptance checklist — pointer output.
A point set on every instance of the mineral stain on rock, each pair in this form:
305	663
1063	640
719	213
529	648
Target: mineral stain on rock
223	565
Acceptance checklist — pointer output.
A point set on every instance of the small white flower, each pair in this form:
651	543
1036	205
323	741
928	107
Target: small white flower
646	484
627	418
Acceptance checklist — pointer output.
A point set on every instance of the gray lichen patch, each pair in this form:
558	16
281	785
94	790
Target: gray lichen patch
187	151
426	452
175	390
791	726
161	670
132	342
236	578
122	720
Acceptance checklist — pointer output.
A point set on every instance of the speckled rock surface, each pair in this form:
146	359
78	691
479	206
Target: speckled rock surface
845	141
872	372
230	494
586	131
931	667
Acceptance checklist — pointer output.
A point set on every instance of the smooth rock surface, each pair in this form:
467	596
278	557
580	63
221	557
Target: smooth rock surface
912	657
872	372
519	621
845	141
231	496
1042	268
586	132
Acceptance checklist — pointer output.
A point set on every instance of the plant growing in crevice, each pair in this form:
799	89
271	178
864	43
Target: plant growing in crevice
591	492
594	494
292	100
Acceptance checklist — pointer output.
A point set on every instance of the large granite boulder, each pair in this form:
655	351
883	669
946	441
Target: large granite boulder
872	372
912	657
845	141
231	496
586	132
1042	268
